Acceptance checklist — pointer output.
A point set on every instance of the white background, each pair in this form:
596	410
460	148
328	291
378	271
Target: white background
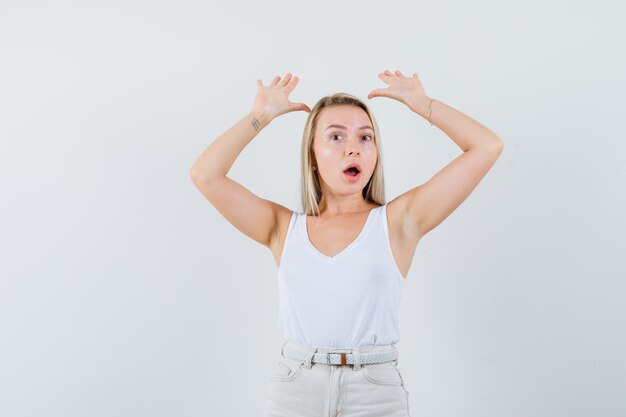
123	292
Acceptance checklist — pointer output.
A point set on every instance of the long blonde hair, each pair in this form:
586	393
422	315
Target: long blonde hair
311	191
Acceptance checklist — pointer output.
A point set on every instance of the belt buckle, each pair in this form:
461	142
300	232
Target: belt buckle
344	358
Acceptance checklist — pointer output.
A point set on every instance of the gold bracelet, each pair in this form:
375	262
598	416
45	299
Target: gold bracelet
430	110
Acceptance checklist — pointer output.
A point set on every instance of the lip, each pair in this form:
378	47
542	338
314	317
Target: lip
353	164
350	178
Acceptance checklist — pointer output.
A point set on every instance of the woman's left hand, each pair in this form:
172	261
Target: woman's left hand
401	88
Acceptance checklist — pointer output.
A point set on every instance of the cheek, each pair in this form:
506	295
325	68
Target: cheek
371	155
328	156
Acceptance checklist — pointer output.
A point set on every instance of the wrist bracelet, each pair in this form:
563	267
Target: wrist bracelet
430	110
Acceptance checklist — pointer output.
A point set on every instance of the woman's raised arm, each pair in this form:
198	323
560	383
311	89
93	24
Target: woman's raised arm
250	214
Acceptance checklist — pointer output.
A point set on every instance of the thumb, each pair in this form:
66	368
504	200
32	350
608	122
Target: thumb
301	106
376	93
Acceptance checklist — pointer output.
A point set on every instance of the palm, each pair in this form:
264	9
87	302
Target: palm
274	98
400	88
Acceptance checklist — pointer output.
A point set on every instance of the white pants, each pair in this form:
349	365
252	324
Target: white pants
301	388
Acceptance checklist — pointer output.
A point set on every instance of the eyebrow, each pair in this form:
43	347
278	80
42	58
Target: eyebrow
343	127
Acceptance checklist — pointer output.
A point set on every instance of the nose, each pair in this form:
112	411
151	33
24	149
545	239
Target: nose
352	148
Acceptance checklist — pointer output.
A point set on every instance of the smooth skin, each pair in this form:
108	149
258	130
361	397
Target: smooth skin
410	215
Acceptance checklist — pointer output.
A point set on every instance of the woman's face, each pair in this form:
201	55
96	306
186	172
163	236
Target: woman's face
344	135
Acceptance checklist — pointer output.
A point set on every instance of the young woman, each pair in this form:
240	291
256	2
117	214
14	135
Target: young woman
343	260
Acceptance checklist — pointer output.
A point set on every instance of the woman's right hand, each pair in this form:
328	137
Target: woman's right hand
274	98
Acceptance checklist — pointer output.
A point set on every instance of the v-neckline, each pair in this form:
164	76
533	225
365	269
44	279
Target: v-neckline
344	250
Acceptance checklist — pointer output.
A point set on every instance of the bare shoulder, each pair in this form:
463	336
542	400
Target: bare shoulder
281	225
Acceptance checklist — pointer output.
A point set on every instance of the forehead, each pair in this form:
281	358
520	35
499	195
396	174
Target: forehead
352	117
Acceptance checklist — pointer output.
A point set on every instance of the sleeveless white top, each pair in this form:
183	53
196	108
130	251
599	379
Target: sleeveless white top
348	300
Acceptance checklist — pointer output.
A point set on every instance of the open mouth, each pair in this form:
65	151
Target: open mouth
352	171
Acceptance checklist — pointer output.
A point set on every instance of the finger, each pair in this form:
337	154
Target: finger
298	106
259	83
399	73
388	72
374	93
292	84
415	75
275	81
285	80
302	106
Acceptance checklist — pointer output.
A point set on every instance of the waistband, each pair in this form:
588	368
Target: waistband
354	357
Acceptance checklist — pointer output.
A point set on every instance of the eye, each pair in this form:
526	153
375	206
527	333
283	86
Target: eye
364	136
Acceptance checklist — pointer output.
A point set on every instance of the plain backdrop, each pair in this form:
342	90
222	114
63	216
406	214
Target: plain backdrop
124	292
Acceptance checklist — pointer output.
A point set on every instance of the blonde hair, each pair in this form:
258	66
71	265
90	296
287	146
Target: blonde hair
311	191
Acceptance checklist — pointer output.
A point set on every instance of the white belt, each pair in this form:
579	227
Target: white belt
341	358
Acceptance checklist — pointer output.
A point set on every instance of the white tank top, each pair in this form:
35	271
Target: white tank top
348	300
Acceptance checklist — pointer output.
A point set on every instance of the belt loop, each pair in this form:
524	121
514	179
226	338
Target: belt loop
283	348
356	357
309	356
